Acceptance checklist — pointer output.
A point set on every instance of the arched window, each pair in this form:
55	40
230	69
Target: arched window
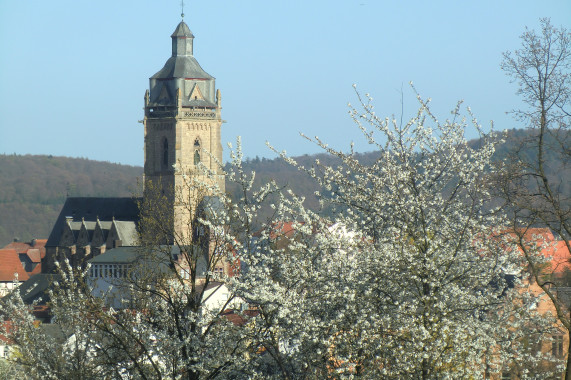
165	153
196	151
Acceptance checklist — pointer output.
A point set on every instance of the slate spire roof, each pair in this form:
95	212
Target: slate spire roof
182	64
182	30
181	72
182	67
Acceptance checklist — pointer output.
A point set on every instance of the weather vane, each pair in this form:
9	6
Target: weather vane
182	9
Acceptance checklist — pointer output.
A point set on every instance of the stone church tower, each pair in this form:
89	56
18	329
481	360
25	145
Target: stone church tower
182	128
182	133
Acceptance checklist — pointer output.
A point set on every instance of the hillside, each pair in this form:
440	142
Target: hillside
33	188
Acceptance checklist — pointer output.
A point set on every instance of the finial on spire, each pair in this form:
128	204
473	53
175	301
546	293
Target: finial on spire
182	9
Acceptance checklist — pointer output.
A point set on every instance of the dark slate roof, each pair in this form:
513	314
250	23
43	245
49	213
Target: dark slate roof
182	30
36	288
106	209
182	66
90	227
127	232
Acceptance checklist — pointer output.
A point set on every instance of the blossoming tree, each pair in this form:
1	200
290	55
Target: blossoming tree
405	278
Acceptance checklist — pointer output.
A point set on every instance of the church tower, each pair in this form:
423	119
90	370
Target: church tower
182	128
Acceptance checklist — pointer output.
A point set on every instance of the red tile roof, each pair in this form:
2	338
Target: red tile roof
19	246
555	250
539	234
35	250
10	264
282	229
35	255
560	257
8	328
22	247
239	319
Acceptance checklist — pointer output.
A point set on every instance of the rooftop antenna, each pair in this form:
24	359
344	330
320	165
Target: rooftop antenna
182	9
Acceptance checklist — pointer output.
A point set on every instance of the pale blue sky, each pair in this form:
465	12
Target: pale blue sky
73	73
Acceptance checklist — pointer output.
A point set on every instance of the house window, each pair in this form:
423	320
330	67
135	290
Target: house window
557	346
184	274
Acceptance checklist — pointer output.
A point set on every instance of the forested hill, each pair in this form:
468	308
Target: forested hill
33	188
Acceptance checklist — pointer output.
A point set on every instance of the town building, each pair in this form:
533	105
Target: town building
556	271
18	262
